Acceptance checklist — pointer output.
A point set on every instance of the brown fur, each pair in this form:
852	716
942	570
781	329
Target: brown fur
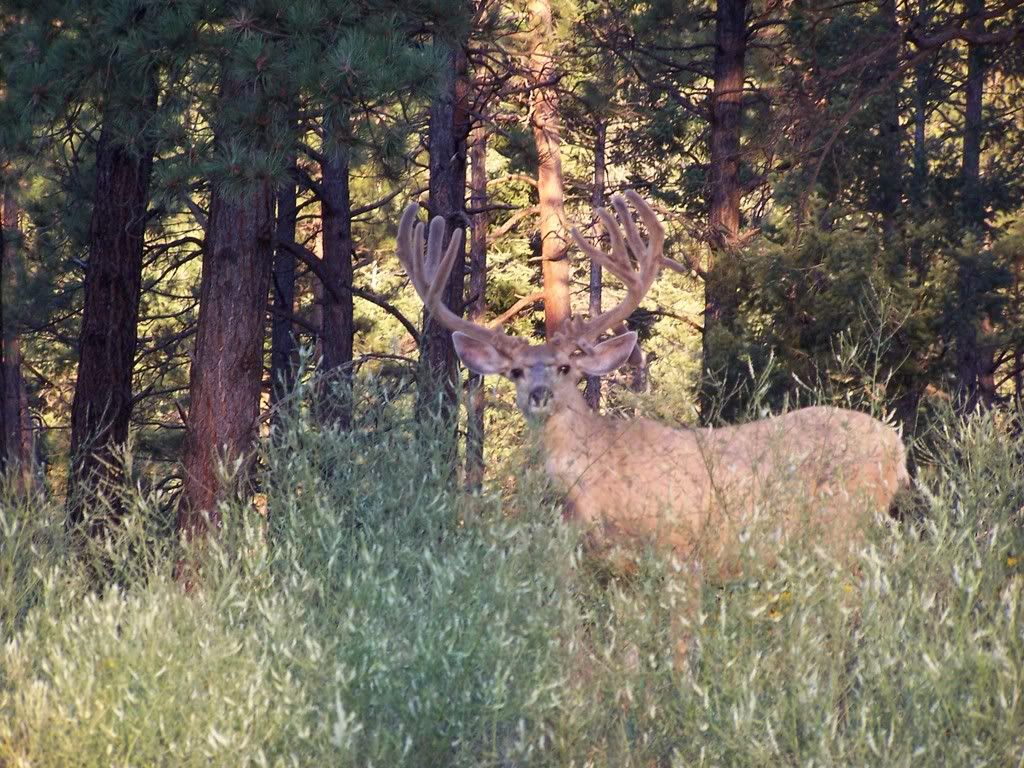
822	472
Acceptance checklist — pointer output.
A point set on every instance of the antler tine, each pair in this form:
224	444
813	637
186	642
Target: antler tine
632	234
637	280
437	265
655	229
409	243
429	264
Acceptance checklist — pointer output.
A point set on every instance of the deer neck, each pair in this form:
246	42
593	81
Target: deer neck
572	427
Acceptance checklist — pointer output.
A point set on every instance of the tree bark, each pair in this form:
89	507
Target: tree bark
725	191
448	133
476	401
17	438
102	406
338	324
593	390
283	349
973	211
726	122
974	354
547	130
227	368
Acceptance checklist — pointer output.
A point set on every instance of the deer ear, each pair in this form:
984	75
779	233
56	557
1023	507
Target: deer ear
608	355
479	356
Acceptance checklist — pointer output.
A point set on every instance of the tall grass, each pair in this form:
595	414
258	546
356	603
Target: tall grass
378	615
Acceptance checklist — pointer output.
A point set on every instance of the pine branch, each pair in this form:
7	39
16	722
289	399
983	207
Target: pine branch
311	260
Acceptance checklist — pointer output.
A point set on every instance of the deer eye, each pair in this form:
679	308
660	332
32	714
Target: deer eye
516	373
563	370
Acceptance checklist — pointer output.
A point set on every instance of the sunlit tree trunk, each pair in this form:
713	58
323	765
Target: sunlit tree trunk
547	128
102	407
227	367
476	400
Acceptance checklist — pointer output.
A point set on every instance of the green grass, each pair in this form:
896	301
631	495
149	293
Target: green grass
381	616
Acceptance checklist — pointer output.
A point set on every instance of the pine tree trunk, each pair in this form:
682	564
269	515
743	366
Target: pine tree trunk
973	211
227	367
17	438
283	349
476	401
726	121
17	419
448	133
725	190
593	390
547	131
338	325
974	354
102	406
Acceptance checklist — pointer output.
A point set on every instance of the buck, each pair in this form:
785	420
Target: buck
819	471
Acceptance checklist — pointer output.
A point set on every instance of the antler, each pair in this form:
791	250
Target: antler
648	258
429	268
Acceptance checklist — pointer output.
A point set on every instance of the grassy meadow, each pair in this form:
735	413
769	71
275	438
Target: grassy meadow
365	610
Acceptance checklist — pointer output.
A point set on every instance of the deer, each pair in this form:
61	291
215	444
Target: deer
630	483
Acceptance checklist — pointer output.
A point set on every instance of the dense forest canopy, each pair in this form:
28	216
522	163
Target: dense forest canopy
200	199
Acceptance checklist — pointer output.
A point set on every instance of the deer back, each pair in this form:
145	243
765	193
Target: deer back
698	491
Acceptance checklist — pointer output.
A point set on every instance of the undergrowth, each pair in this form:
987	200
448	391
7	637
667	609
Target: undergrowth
367	611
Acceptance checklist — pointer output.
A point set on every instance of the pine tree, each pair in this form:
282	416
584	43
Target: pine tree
448	132
103	398
283	346
251	128
18	437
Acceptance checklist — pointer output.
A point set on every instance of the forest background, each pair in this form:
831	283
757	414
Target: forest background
831	175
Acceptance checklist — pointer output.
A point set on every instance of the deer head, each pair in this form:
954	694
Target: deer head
546	375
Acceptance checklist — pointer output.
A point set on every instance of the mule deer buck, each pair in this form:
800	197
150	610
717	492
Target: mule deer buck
633	482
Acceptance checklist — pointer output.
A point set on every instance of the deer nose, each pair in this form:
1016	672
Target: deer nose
540	396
